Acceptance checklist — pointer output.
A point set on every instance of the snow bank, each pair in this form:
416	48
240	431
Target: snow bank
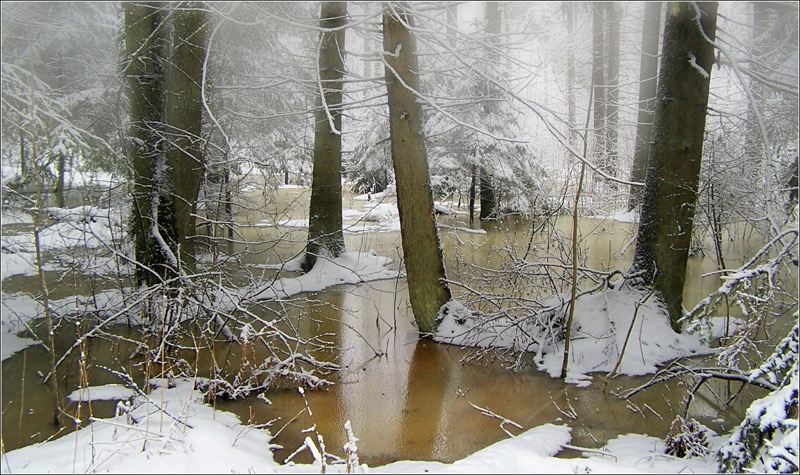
349	268
600	326
107	392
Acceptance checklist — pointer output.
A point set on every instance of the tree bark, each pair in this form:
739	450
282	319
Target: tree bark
648	73
612	92
488	201
143	73
183	115
569	12
422	252
599	84
673	171
325	211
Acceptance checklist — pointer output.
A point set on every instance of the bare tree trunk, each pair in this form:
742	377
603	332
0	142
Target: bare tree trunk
61	161
183	114
569	11
325	212
599	81
612	92
143	72
673	171
424	262
473	178
23	158
648	74
488	201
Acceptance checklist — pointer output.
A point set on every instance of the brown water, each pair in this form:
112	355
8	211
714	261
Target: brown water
405	398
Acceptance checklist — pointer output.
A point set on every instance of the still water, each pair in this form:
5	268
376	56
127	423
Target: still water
406	398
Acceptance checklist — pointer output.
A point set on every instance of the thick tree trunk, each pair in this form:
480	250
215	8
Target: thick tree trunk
648	72
422	252
183	115
143	73
673	170
325	212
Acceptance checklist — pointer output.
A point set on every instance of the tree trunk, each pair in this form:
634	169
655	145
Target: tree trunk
673	170
325	212
422	252
612	92
143	73
648	72
599	84
23	157
59	189
472	180
488	201
569	11
183	115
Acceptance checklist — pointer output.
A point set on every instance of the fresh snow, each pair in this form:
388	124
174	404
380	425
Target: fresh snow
599	329
106	392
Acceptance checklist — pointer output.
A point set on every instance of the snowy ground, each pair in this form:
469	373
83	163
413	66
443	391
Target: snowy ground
173	431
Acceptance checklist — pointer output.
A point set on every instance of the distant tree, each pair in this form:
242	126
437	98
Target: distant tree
648	72
599	83
427	288
673	171
612	93
325	211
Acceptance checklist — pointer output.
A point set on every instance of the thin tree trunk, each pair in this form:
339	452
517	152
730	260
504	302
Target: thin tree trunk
325	236
569	11
648	75
612	92
427	288
59	190
473	178
673	172
599	81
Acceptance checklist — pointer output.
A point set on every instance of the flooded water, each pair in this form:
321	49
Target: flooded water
406	398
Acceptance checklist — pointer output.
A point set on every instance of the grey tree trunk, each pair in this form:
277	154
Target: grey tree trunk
599	84
648	72
183	116
424	263
325	211
569	12
59	189
143	73
673	171
488	199
612	92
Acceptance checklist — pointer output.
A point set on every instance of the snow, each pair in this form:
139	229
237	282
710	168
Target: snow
106	392
621	215
600	326
349	268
